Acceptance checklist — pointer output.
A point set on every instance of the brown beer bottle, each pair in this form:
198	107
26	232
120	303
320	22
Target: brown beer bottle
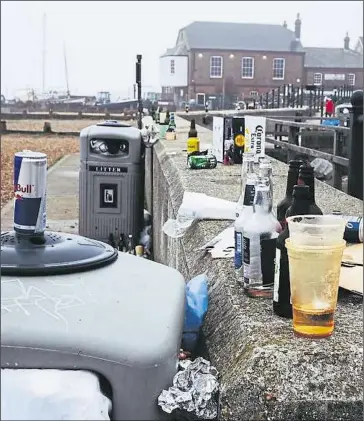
306	177
282	291
192	132
286	202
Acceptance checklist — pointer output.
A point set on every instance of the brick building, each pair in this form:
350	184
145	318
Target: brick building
333	67
218	60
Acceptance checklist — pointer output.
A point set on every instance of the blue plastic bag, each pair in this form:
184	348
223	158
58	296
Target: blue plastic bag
196	308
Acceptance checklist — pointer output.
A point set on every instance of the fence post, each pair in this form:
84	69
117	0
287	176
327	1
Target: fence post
288	96
279	97
322	102
293	97
292	139
284	96
266	100
301	99
273	98
338	151
355	177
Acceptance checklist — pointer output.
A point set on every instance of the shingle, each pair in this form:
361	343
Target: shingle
239	36
332	57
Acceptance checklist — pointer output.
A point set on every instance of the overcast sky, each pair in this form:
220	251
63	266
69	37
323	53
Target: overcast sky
102	38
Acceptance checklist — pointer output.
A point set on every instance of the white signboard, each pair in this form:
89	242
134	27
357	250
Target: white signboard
331	76
255	135
218	138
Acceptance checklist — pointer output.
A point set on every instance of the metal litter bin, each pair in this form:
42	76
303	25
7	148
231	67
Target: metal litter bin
111	199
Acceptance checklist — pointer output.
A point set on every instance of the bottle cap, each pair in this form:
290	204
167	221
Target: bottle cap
306	169
295	163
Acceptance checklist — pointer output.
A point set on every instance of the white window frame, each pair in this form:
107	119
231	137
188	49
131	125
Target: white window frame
314	79
254	94
204	98
211	66
284	68
351	83
172	67
252	67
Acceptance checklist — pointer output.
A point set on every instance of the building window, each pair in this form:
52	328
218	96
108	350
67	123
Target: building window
168	90
317	79
247	68
173	67
351	79
216	66
253	94
278	68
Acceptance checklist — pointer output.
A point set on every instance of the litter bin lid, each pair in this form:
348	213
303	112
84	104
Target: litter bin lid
54	253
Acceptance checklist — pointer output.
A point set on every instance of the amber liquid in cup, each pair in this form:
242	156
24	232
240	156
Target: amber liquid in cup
314	277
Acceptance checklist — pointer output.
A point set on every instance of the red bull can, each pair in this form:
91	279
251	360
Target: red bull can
30	183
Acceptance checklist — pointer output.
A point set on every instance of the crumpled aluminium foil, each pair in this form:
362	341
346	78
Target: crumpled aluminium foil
194	390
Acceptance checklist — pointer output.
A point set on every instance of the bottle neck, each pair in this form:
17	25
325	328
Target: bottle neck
308	180
247	172
300	206
291	181
262	200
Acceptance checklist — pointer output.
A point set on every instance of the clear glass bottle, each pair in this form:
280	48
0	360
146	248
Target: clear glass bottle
244	209
248	177
259	245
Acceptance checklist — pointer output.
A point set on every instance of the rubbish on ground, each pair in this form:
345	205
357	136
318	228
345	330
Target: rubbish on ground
201	162
222	246
196	308
351	277
323	169
195	390
146	234
52	395
198	206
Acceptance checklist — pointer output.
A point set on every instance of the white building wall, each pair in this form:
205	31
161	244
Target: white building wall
173	71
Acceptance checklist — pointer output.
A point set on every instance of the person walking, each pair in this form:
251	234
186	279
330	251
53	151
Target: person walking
329	107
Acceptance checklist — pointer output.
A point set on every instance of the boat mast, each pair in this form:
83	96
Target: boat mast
66	70
44	53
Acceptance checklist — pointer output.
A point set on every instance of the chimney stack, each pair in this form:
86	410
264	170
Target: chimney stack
297	27
347	42
284	24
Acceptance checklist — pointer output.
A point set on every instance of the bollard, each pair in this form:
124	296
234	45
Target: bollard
355	177
2	126
47	127
186	108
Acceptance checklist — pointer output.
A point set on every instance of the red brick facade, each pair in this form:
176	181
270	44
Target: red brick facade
262	81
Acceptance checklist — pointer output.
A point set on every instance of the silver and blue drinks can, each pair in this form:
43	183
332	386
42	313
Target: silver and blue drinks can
30	184
353	229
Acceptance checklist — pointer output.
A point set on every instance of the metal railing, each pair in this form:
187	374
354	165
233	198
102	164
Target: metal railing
311	96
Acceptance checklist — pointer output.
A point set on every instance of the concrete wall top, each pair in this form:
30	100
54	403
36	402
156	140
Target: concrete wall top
266	372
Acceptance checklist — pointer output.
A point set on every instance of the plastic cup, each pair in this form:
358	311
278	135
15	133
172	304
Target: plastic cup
316	230
315	249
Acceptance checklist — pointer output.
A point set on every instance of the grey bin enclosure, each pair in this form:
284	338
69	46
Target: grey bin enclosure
111	182
123	321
